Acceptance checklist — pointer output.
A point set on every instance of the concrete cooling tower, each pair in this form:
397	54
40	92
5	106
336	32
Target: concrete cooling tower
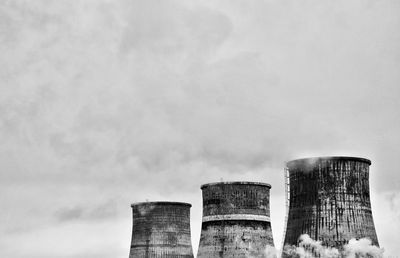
328	199
161	230
236	220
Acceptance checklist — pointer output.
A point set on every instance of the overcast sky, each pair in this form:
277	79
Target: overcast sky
108	102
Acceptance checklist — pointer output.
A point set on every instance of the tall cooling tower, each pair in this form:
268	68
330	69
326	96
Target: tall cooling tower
161	230
329	200
236	220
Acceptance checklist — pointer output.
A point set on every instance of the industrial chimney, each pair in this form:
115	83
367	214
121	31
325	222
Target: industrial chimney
161	230
328	199
236	220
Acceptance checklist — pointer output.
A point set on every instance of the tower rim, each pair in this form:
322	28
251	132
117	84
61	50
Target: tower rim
311	160
161	203
236	183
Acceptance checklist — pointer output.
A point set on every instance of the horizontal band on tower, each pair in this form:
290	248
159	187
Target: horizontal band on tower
236	217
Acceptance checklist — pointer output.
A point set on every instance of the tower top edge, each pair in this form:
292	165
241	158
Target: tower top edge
235	183
160	203
312	160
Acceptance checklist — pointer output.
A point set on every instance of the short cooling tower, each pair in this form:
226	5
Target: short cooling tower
236	220
161	230
329	200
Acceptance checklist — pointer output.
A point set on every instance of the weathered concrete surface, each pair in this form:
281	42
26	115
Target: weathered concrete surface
236	220
161	230
330	200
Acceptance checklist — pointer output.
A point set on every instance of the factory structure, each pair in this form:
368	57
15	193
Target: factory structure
327	198
161	230
236	220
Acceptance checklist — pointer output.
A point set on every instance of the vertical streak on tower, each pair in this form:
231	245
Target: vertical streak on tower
161	230
236	220
330	200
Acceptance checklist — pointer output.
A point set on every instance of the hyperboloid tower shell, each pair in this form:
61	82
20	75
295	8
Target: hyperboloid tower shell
329	200
236	220
161	230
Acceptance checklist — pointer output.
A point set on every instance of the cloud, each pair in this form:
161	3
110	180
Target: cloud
69	214
385	213
159	85
394	200
104	211
170	28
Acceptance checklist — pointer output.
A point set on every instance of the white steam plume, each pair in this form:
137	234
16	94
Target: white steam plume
362	248
309	248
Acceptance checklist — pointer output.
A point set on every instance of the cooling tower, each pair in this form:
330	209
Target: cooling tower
161	230
236	220
328	199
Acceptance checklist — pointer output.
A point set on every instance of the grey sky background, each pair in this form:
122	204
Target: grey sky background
108	102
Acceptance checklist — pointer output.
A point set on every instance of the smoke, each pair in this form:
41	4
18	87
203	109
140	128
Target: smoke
269	252
309	248
145	209
362	248
253	250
